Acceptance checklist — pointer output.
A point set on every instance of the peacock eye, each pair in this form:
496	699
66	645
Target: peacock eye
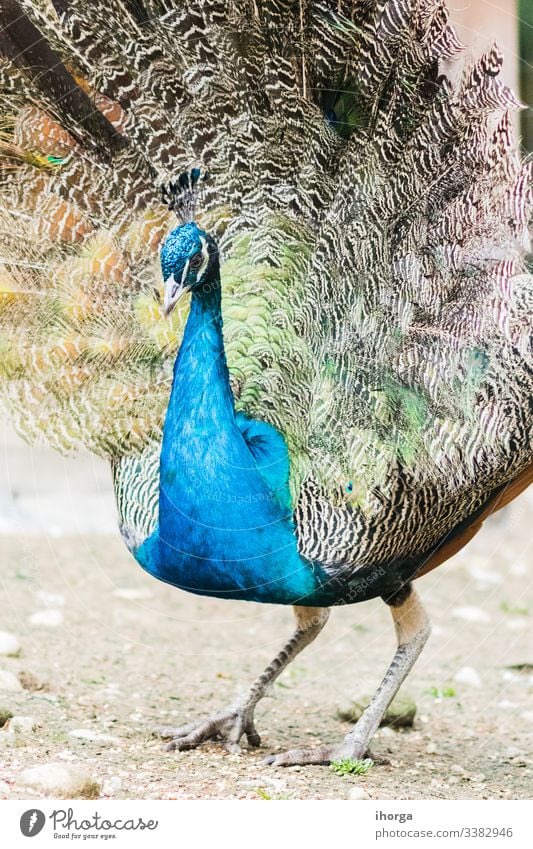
196	261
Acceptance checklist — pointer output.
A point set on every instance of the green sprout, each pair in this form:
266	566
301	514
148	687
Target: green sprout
514	610
349	766
442	693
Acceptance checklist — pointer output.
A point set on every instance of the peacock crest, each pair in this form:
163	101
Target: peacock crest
181	195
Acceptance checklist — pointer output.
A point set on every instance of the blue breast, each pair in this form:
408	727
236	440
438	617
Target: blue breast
226	526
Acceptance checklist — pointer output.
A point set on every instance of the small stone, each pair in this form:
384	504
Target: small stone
527	715
470	614
517	624
131	594
5	714
485	577
7	739
468	675
457	769
479	776
10	682
64	781
30	682
112	785
513	752
431	749
49	618
4	787
9	645
22	724
400	713
505	704
50	599
358	793
87	734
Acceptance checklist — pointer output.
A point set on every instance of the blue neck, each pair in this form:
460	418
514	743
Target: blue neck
225	518
201	400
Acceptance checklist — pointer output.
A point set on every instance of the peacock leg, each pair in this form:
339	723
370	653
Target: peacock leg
412	630
238	720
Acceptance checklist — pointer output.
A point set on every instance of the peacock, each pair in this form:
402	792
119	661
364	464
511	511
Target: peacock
269	258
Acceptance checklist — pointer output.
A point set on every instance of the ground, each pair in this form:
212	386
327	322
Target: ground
130	653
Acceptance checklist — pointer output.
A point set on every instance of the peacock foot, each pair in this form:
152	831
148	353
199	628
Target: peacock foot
226	725
325	755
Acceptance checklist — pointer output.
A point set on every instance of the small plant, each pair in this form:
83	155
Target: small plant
279	797
442	693
349	766
514	610
262	793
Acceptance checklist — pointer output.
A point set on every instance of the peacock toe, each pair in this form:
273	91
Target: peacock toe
228	726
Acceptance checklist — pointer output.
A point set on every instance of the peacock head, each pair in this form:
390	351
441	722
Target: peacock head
189	255
189	261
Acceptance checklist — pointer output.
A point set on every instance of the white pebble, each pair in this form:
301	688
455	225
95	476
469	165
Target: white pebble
9	645
519	569
431	749
4	787
7	738
527	715
513	752
505	704
131	594
457	769
62	780
358	793
92	736
112	785
470	614
467	675
10	682
50	599
509	675
49	618
22	724
517	624
484	577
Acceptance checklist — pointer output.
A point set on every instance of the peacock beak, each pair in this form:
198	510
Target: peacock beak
174	289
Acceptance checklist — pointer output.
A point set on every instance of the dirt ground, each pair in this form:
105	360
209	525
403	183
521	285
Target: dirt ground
131	653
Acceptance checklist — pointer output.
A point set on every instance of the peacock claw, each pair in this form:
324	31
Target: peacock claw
322	756
229	726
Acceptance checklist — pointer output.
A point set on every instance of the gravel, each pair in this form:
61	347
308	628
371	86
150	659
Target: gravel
121	666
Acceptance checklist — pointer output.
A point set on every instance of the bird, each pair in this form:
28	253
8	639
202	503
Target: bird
269	259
